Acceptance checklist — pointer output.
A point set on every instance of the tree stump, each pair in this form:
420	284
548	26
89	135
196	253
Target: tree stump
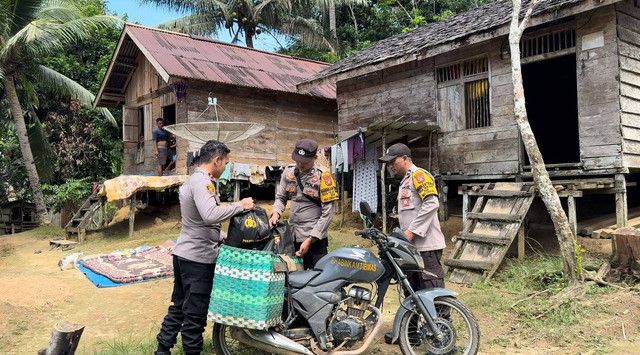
626	252
65	337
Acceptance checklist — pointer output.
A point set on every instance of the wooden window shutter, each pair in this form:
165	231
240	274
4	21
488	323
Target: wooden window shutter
130	129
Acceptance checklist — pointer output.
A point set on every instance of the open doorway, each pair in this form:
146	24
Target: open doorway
169	114
551	95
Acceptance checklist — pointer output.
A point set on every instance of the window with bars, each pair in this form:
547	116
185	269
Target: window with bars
463	95
547	43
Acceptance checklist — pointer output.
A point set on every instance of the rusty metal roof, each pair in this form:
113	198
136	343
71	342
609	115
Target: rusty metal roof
179	55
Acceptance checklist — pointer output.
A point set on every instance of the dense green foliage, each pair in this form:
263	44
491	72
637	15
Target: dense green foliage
51	52
358	26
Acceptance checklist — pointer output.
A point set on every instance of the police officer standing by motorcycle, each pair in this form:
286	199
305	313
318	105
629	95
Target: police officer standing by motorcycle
311	190
195	254
418	215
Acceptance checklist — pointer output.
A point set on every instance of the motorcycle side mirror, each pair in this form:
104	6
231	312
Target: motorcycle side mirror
366	213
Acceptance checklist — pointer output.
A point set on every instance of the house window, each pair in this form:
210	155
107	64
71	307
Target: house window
463	95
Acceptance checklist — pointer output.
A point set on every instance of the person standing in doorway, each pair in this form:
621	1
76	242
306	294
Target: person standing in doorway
160	144
195	254
311	190
418	216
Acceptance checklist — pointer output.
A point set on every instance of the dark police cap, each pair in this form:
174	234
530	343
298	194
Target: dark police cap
396	150
305	150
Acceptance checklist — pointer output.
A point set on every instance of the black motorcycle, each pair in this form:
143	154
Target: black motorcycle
329	309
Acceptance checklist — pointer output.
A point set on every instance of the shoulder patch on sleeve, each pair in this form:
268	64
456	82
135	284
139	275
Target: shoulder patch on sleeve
211	188
328	188
424	184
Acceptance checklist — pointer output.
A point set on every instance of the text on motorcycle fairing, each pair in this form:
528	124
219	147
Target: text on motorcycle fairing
354	264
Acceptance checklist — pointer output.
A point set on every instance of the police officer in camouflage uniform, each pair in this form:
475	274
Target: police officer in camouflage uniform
195	254
311	190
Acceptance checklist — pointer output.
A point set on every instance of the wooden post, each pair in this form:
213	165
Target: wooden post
571	206
236	190
621	201
465	207
65	338
383	184
344	197
132	214
521	242
13	228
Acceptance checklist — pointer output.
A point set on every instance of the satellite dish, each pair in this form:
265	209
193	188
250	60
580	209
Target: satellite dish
226	132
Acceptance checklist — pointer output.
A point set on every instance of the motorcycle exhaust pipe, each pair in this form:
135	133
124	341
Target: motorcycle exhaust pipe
268	340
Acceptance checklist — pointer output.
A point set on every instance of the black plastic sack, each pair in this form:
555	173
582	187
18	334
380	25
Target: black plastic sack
249	230
282	241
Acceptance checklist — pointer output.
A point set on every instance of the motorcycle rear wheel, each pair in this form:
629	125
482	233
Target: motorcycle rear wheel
460	330
224	344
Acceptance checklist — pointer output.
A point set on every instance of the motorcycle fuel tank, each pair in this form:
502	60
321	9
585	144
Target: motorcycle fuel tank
353	264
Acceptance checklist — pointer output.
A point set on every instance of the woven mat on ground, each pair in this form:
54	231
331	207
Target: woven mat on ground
139	265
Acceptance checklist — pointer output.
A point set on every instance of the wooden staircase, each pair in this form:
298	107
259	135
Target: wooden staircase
83	218
489	230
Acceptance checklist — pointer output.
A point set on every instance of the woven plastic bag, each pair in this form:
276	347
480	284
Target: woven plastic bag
247	292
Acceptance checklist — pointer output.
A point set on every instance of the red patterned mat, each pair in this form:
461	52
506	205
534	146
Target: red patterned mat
140	265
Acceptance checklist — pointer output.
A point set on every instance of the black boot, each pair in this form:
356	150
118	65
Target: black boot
388	338
162	350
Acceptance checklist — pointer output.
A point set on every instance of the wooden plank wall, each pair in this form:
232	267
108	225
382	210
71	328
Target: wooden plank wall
628	26
406	90
598	90
488	150
287	117
146	90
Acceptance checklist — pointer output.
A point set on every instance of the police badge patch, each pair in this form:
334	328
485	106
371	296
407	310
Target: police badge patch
424	184
211	189
328	190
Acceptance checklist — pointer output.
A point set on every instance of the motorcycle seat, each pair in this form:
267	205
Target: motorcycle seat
299	279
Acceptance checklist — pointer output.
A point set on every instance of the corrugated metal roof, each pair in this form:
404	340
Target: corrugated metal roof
206	59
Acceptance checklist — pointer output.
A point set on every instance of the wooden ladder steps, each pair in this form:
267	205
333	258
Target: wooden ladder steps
469	264
498	217
503	193
483	238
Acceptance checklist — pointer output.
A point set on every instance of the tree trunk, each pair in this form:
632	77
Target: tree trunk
25	149
626	252
65	337
332	19
248	38
541	178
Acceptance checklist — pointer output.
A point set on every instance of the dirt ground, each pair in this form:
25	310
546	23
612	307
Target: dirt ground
36	294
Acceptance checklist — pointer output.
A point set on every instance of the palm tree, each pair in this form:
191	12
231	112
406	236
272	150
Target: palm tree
32	29
251	17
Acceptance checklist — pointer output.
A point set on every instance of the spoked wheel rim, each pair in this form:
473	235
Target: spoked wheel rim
459	329
224	344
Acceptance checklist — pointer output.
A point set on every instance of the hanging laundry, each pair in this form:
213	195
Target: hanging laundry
226	174
344	146
241	171
365	184
257	174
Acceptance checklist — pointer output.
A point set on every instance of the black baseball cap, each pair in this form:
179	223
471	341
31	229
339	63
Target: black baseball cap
305	150
396	150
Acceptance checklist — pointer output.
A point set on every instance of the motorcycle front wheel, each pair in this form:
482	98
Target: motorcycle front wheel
224	344
459	328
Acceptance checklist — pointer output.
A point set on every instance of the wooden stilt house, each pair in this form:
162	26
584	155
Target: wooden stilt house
581	69
189	79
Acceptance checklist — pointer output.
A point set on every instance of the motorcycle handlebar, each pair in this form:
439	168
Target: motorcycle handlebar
361	232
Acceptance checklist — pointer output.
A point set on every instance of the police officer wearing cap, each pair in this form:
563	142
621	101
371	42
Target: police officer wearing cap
195	254
311	190
418	216
418	213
